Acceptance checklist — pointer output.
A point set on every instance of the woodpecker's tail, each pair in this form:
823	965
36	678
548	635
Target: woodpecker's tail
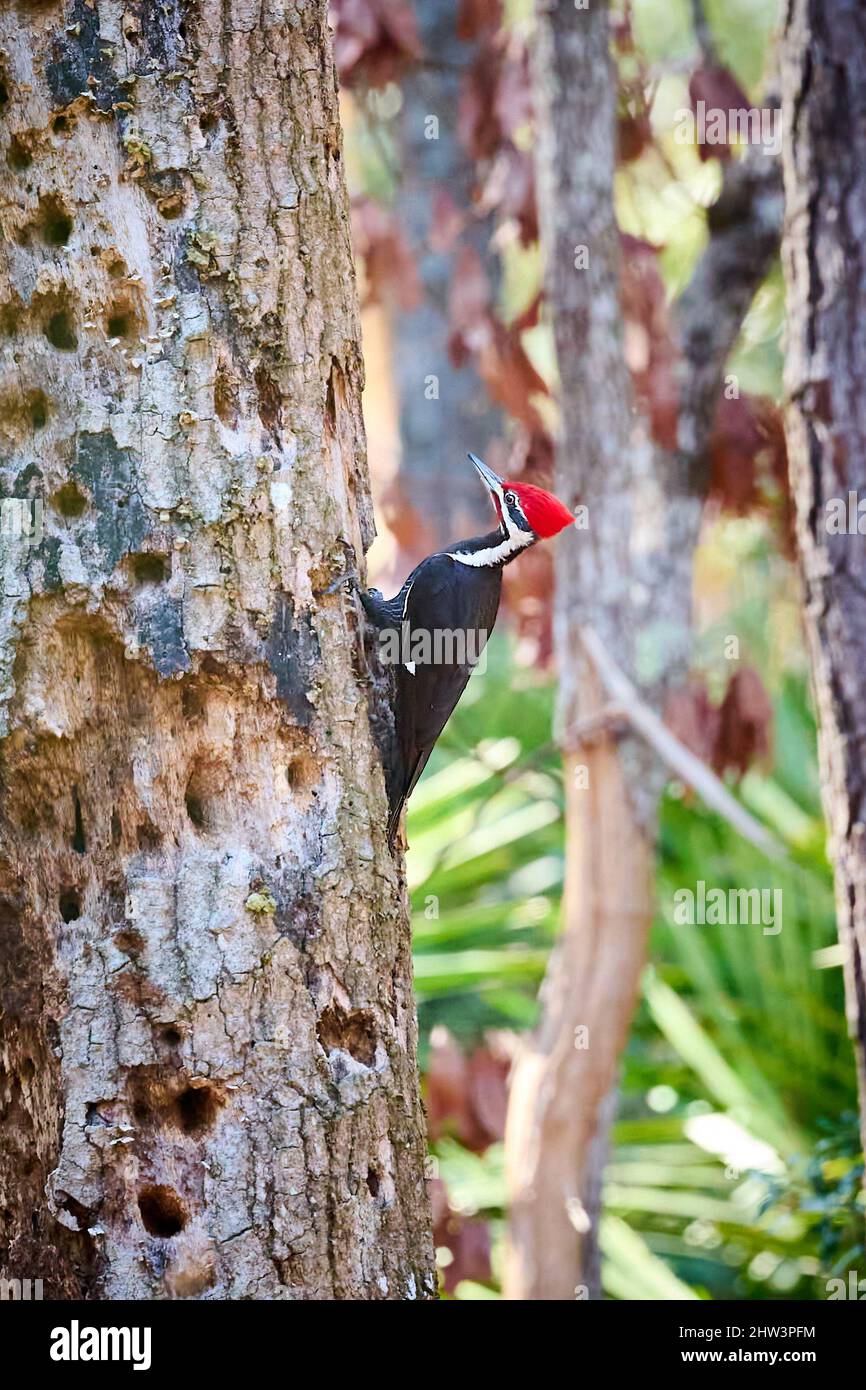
401	795
394	822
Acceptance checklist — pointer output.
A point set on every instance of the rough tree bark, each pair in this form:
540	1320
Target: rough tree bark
208	1082
628	578
824	113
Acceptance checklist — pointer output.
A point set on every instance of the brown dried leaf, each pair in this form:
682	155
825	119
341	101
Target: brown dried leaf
719	90
466	1095
476	17
446	224
498	351
745	720
634	128
374	40
449	1106
489	1067
468	306
513	91
732	735
467	1238
749	463
692	717
509	191
734	445
390	267
649	349
509	376
478	127
633	134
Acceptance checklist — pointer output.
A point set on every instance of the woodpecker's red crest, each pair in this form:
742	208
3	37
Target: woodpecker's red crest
545	513
542	513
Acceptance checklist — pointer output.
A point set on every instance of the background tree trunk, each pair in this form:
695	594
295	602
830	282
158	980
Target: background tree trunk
824	106
208	1080
434	477
626	584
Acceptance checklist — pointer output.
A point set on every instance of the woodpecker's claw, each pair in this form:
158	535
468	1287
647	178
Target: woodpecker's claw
350	580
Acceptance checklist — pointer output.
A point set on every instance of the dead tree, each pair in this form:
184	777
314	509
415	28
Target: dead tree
823	75
207	1034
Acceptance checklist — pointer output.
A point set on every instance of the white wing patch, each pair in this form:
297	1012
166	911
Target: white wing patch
410	665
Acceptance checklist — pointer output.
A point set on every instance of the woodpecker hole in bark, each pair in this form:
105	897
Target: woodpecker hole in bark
60	331
18	155
149	568
22	414
197	1108
70	905
69	501
353	1032
204	790
162	1212
54	221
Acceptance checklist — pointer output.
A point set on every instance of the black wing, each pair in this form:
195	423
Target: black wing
448	612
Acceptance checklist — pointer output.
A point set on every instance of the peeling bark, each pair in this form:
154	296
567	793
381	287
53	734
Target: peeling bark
207	1037
824	105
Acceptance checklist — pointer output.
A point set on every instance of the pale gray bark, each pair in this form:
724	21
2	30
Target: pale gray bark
208	1081
436	434
629	578
824	110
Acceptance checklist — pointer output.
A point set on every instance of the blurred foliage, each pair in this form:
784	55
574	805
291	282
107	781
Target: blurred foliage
735	1170
486	862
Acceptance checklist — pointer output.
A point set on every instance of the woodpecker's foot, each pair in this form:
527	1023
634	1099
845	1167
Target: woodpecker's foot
348	581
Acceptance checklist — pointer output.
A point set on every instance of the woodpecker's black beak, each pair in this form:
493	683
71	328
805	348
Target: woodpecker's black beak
491	480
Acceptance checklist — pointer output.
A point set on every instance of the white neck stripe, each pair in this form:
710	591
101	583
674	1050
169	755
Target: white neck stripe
494	554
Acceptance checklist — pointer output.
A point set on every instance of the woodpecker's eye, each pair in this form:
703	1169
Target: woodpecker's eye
511	498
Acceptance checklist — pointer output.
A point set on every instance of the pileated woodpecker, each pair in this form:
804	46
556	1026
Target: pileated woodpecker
441	619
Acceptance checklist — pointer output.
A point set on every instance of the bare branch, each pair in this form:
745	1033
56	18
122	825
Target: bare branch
678	758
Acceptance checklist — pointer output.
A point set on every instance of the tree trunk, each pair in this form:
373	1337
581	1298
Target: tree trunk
625	583
208	1080
592	984
437	431
824	106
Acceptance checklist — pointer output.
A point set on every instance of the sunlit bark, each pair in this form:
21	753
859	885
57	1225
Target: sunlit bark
207	1030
